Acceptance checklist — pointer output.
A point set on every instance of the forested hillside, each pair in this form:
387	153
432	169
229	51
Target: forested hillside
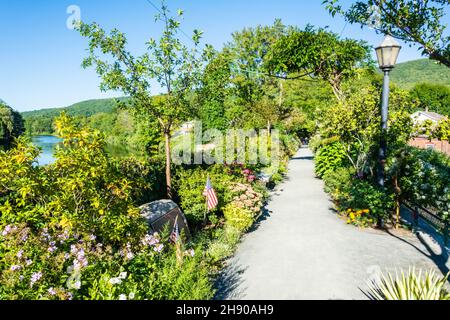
41	121
408	74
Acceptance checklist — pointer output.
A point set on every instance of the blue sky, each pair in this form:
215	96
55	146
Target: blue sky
40	57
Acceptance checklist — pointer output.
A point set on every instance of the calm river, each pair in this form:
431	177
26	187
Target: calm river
48	145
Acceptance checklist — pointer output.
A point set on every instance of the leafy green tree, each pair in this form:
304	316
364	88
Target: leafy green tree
172	64
432	97
416	22
214	92
11	125
258	96
356	122
319	54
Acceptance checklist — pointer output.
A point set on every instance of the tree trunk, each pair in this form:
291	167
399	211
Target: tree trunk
168	165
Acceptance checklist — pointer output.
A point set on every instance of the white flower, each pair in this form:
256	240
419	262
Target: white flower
123	275
77	285
131	295
122	297
114	281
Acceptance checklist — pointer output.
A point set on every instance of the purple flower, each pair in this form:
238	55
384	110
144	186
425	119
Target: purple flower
52	292
28	262
92	237
51	249
77	285
159	248
15	268
24	237
6	230
149	240
20	254
35	277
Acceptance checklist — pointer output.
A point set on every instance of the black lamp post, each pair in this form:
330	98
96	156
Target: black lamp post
387	54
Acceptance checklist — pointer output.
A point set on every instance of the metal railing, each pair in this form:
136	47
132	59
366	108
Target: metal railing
442	226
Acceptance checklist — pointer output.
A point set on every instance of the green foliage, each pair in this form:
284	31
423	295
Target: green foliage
82	191
155	277
416	22
423	177
329	158
174	66
364	195
433	97
41	122
190	185
409	286
239	218
338	183
408	75
320	54
71	230
224	244
11	125
359	200
355	121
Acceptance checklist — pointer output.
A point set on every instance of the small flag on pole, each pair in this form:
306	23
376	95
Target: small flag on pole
210	194
175	235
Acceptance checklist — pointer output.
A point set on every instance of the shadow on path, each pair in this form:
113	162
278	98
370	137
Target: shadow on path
439	260
228	284
303	158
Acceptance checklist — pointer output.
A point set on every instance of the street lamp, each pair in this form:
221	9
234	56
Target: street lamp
387	54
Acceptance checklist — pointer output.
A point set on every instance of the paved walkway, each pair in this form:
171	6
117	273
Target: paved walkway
302	250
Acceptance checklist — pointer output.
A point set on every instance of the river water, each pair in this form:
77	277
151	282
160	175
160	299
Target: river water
48	145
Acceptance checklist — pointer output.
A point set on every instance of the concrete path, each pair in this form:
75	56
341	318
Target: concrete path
302	250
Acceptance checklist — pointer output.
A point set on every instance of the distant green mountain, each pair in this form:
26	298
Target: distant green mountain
408	74
84	108
41	121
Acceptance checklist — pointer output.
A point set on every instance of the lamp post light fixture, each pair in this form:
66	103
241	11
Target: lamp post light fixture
387	54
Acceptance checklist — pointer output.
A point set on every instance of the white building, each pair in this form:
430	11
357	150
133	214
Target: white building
422	116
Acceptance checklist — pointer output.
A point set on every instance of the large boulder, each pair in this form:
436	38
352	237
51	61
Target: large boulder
161	216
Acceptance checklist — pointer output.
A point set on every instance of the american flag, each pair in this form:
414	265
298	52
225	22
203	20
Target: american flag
210	194
175	235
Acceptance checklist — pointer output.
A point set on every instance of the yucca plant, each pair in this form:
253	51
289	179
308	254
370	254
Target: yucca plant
409	286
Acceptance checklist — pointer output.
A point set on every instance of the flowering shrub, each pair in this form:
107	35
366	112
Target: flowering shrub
245	197
360	218
424	179
72	231
239	218
44	265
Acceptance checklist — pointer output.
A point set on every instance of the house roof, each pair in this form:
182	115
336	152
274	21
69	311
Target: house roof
432	115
